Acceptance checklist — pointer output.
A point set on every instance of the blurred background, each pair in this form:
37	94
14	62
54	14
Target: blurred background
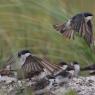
27	24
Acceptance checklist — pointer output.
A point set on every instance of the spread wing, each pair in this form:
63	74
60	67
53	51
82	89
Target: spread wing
84	28
88	36
35	65
32	64
77	24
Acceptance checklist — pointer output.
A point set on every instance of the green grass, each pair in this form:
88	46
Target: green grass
27	24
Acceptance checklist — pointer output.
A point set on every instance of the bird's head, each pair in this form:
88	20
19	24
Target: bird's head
63	65
24	54
88	16
76	65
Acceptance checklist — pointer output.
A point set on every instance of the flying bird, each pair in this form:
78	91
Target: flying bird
81	24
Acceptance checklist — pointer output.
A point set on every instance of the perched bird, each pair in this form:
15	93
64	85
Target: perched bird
92	73
80	23
31	65
63	65
90	69
64	74
71	70
76	68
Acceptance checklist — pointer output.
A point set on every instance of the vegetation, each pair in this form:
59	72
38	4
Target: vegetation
27	24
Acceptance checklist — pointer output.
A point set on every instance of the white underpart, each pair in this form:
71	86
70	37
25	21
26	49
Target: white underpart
25	55
8	67
60	79
88	18
23	58
42	75
64	67
72	72
77	69
68	23
52	81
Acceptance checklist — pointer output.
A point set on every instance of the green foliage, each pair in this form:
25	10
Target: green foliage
27	24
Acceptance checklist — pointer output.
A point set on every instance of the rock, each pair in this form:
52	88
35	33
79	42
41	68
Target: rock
82	85
7	79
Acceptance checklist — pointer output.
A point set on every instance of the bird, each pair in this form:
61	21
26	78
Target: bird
76	68
64	74
59	76
70	70
63	66
31	65
92	73
80	24
90	69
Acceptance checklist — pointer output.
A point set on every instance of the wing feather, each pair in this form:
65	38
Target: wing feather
89	34
78	24
32	65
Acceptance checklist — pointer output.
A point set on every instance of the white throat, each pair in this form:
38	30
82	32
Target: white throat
77	67
23	58
64	67
88	18
77	70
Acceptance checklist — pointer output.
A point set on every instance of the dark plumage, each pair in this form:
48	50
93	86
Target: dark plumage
23	52
80	23
89	68
31	65
62	63
92	73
